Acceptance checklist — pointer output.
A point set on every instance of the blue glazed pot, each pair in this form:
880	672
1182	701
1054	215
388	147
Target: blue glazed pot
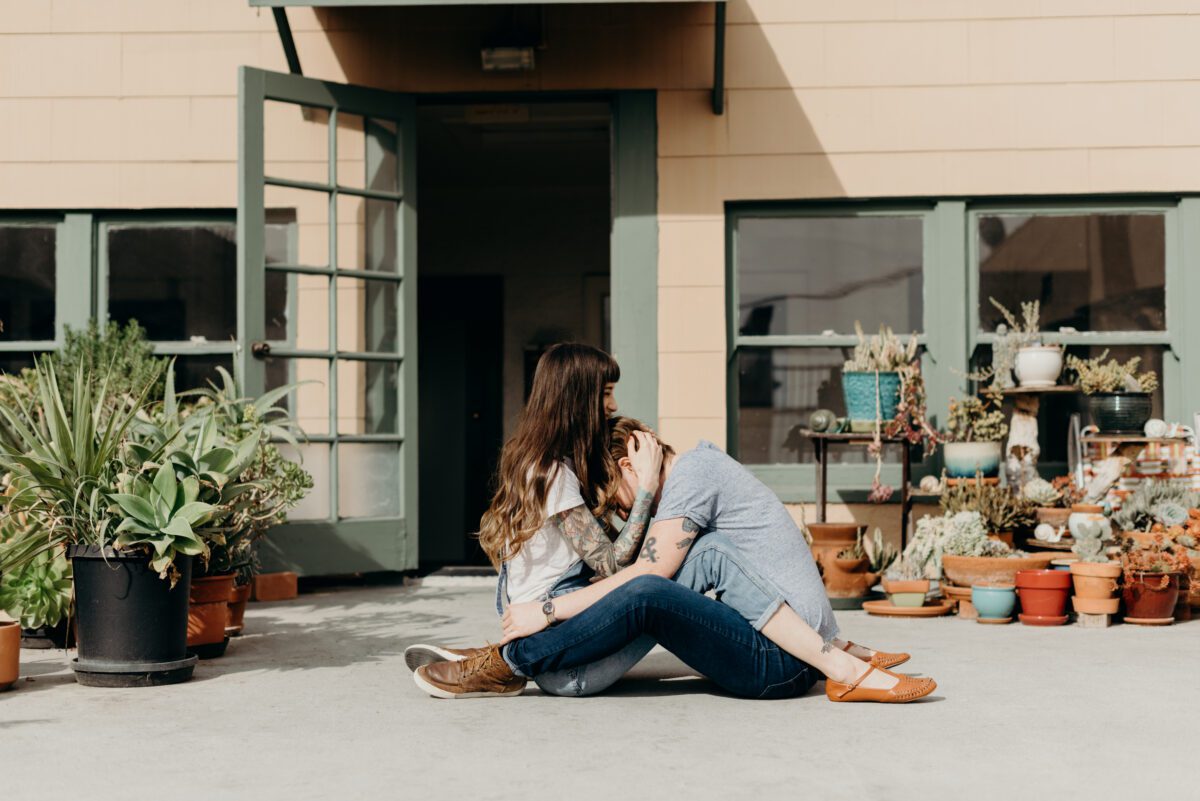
965	459
996	601
863	403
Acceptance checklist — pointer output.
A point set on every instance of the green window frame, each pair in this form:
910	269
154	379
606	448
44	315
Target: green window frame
951	315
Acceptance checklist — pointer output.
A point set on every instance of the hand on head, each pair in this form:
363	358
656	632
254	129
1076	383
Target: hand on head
645	457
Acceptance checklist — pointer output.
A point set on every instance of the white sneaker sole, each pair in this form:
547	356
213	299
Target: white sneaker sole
438	692
416	656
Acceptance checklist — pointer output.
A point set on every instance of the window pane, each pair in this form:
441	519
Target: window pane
297	309
296	142
366	316
177	281
367	399
806	275
368	480
1093	272
778	388
309	401
367	233
26	282
367	153
313	457
307	240
15	362
195	372
1055	409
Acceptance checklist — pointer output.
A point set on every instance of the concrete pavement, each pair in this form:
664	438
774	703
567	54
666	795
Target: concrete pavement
315	702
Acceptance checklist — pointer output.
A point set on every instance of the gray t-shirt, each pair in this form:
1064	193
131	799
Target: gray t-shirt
717	493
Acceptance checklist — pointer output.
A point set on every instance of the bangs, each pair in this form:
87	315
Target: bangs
612	370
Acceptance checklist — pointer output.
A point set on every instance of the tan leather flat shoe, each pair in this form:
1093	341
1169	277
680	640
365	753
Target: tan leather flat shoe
880	659
906	689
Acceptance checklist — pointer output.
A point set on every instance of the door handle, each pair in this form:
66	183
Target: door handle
260	350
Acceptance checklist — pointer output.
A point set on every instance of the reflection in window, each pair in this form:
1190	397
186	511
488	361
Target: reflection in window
1092	272
177	281
27	280
778	388
807	275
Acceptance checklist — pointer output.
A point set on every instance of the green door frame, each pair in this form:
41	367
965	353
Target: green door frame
343	546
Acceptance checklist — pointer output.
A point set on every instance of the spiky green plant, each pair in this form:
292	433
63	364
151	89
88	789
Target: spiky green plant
1155	501
883	352
1041	492
999	508
975	420
1090	538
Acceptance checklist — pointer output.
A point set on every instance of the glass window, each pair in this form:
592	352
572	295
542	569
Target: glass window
27	282
177	281
1091	272
807	275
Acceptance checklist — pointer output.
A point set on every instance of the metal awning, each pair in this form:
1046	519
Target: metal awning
279	7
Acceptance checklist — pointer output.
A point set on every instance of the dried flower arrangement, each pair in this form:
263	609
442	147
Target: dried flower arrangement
1096	375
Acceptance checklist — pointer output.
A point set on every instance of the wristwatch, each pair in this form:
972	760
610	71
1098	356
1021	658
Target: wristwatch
548	611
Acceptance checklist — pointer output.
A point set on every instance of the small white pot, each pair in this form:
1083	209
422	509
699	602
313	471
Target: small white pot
1039	365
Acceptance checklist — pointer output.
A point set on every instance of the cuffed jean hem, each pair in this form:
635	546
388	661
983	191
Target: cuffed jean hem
715	564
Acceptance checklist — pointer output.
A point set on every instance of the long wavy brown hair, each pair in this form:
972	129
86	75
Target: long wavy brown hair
564	419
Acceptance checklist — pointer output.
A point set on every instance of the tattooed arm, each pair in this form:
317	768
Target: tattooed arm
666	545
590	541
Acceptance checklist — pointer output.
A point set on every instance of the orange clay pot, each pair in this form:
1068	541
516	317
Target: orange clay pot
235	619
844	578
967	571
10	653
208	607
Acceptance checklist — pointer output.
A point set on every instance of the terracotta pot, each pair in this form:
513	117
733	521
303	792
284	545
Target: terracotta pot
235	620
1053	516
912	585
1183	609
1151	596
1096	606
10	653
967	571
1140	538
208	608
844	578
1043	593
1096	580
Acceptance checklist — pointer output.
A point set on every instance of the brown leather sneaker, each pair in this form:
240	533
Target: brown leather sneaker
416	656
482	674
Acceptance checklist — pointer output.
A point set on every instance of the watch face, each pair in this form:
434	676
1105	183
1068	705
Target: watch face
548	608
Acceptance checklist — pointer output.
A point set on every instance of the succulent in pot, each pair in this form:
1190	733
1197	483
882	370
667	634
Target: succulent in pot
906	584
1152	575
1001	511
1036	364
1119	397
1155	504
974	432
1095	577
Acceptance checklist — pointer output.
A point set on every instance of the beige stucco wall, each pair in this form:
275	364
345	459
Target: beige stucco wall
132	104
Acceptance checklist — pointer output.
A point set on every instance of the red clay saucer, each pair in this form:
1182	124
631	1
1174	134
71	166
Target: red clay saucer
1042	620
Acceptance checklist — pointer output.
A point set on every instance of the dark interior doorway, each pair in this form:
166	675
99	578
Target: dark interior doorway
514	219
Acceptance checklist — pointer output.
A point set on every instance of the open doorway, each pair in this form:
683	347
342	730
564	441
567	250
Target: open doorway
513	256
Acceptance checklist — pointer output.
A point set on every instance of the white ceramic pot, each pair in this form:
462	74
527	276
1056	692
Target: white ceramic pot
965	459
1084	514
1039	365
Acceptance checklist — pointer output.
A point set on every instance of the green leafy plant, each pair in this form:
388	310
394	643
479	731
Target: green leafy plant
1090	539
161	516
1097	375
1041	492
906	570
880	553
975	420
960	534
63	464
120	355
1155	502
999	508
39	592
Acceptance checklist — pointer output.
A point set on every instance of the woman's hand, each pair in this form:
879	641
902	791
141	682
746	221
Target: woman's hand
645	456
522	620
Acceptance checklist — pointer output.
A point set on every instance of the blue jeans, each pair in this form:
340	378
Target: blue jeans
713	564
710	637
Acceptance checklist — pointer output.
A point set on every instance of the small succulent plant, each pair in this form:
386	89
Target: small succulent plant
905	570
883	352
1090	537
1170	513
1041	492
975	420
1096	375
1142	509
880	554
1027	330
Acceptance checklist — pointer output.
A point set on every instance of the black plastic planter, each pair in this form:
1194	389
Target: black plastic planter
131	625
1121	412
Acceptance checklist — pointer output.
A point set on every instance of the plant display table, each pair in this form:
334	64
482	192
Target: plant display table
821	442
1023	444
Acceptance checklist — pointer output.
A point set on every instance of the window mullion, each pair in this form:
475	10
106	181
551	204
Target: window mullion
947	282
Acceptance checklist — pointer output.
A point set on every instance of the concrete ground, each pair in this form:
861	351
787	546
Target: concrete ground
315	703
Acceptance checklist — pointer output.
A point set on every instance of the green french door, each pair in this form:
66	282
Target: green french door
327	302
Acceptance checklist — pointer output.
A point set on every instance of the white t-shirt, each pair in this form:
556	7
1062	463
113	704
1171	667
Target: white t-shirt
546	555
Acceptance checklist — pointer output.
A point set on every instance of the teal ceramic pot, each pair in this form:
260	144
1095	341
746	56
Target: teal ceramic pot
995	600
865	399
965	459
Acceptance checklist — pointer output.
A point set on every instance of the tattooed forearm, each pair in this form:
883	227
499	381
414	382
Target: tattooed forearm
685	543
690	526
649	553
591	542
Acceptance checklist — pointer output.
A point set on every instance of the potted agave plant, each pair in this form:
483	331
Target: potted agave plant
1036	364
1119	397
974	432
